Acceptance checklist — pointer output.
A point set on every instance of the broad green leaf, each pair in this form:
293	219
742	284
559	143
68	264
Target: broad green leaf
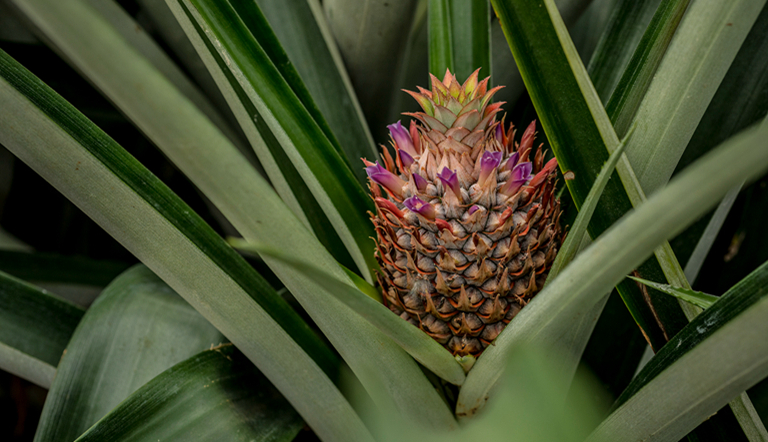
35	328
630	19
135	330
51	267
718	355
699	299
372	37
387	372
413	340
215	395
637	75
305	36
157	227
238	33
698	58
618	251
162	112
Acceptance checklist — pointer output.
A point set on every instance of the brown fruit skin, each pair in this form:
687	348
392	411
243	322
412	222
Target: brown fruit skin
462	271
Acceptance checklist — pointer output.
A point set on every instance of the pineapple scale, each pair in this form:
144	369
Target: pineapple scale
467	224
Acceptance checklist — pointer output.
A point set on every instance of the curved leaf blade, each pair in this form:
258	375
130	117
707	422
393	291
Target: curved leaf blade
417	343
719	354
35	328
303	33
135	330
214	395
694	297
317	161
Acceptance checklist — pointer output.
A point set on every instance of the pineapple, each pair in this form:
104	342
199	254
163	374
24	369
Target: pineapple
467	224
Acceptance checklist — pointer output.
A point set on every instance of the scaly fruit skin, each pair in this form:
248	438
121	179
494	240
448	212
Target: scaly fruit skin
468	225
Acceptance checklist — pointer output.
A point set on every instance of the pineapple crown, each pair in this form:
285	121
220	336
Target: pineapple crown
459	144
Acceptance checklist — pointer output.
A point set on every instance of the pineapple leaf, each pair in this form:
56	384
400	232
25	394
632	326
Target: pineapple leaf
602	265
214	395
417	343
153	223
719	354
35	328
471	37
639	72
459	37
120	344
50	267
304	34
705	45
219	30
699	299
440	30
618	43
578	238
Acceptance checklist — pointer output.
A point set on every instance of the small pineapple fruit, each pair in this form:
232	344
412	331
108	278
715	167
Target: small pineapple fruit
468	225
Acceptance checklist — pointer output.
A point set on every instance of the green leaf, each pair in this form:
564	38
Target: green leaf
413	340
307	41
240	36
372	38
135	330
440	37
35	328
471	37
718	355
51	267
146	217
618	251
629	21
577	235
214	395
698	58
694	297
634	82
459	37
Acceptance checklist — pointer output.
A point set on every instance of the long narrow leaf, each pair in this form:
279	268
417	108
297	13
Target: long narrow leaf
413	340
718	355
698	58
34	330
307	41
440	37
134	207
215	395
51	267
694	297
609	258
229	31
471	37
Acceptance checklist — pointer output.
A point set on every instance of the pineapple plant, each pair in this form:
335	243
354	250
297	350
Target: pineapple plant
470	224
279	299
